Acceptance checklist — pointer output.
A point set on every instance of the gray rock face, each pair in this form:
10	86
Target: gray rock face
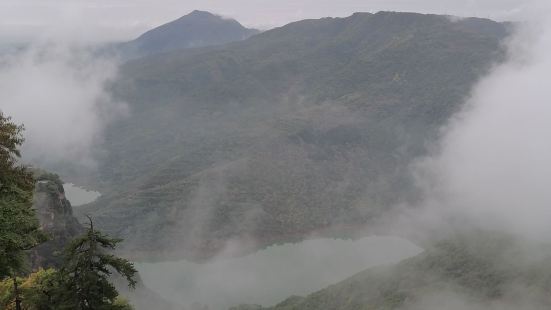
56	218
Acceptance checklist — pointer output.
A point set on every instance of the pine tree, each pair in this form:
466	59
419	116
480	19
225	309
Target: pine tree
84	278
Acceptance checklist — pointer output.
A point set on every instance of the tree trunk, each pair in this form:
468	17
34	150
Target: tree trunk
16	293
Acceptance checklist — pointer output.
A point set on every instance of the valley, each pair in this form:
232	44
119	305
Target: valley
382	160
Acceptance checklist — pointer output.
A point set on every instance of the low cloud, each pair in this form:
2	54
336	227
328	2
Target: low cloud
59	92
491	167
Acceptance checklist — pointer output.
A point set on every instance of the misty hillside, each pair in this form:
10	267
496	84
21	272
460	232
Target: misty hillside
477	270
197	29
295	130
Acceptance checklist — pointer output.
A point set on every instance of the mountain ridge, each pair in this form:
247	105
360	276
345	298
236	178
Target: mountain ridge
304	127
194	30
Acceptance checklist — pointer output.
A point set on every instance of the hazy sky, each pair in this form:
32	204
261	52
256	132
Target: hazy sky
123	19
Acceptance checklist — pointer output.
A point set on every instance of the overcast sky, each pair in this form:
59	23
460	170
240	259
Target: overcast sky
93	20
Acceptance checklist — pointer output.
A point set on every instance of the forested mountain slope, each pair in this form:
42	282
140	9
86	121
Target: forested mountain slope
293	131
197	29
477	270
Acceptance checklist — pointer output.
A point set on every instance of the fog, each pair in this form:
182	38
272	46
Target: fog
58	91
494	159
124	19
273	274
455	300
490	168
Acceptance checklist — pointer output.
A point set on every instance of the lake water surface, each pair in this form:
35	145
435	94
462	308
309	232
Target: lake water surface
79	196
271	275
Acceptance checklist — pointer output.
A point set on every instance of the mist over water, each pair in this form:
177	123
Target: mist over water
271	275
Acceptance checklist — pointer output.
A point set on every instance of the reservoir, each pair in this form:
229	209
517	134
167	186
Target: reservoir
79	196
273	274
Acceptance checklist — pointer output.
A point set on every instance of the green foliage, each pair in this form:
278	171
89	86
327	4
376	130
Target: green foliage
39	290
34	291
19	227
52	181
83	281
122	304
11	139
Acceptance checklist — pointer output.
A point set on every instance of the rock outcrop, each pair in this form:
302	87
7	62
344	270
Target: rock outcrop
56	218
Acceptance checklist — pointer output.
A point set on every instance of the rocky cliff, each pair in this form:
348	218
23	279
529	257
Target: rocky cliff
56	218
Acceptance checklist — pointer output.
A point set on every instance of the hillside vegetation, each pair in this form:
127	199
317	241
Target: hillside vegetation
296	130
477	270
197	29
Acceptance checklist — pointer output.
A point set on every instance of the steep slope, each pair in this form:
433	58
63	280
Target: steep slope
56	218
302	129
197	29
478	270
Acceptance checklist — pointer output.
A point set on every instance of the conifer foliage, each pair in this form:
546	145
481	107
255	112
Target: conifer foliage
84	278
19	227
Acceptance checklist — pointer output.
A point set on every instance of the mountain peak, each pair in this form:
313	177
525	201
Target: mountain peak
196	29
201	14
204	17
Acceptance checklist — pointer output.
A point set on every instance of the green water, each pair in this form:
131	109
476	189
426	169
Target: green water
79	196
271	275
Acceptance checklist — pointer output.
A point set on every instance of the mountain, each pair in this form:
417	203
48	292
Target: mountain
476	270
305	129
197	29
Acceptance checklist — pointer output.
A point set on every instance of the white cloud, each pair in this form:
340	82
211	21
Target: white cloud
96	20
59	93
495	158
